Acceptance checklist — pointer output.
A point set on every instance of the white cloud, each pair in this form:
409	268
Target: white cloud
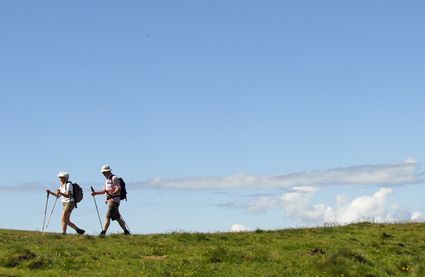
410	160
366	207
416	216
34	186
406	172
262	204
238	228
297	205
28	186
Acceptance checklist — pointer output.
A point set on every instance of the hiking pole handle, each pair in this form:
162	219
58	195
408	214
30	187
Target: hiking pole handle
92	189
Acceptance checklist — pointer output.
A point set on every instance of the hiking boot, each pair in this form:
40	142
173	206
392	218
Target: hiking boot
80	231
103	233
126	232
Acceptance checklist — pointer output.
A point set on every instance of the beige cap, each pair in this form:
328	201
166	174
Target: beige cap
106	168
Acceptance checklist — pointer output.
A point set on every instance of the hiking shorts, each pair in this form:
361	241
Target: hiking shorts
68	206
113	211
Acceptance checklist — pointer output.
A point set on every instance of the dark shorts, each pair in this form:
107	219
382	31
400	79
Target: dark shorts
113	211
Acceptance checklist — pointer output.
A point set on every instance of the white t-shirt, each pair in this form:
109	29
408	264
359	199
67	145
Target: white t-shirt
66	188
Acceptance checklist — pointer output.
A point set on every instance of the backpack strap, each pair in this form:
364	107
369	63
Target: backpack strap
72	194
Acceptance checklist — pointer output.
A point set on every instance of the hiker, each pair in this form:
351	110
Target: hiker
65	191
112	190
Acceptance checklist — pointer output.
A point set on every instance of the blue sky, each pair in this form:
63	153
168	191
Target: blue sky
215	112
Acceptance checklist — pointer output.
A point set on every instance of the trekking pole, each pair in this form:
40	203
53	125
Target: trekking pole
45	212
98	215
48	221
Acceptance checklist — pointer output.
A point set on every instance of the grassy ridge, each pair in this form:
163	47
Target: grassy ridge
356	250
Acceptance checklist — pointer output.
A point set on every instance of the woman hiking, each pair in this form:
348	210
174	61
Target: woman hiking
65	191
112	190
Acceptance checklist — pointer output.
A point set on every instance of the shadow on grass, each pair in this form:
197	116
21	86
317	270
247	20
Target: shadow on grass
24	258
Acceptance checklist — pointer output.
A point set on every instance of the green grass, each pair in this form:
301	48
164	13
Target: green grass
363	249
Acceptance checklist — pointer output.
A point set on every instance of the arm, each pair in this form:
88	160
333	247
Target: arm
98	192
52	193
66	194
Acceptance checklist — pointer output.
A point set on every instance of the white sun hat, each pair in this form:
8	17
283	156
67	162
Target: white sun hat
106	168
63	174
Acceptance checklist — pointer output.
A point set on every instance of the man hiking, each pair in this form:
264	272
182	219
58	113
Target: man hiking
112	190
66	192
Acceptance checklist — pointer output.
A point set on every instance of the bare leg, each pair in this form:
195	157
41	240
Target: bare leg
63	221
66	220
72	225
106	226
122	223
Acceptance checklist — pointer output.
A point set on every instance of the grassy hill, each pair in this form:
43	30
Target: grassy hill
363	249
